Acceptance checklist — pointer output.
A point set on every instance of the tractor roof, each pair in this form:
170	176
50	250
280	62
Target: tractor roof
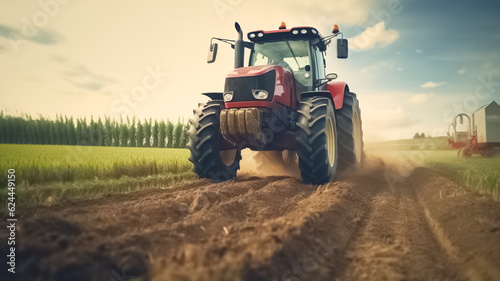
301	32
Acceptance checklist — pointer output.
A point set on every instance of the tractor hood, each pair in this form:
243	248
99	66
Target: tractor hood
244	82
252	70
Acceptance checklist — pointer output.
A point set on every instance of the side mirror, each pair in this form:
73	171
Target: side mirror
331	76
342	48
212	53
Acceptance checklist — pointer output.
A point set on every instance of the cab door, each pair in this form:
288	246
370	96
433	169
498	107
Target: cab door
318	68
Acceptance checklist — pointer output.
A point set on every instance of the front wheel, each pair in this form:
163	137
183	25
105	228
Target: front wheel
206	142
317	140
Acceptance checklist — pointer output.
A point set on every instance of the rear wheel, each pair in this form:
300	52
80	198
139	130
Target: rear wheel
205	142
488	152
350	133
317	140
466	152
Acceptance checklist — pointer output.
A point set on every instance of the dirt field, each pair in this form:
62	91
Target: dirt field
360	227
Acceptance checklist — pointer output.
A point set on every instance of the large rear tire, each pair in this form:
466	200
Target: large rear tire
317	140
350	133
205	141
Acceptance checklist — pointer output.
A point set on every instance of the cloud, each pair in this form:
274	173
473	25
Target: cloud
432	84
462	70
379	66
41	36
82	77
58	58
421	98
398	114
372	37
5	31
327	12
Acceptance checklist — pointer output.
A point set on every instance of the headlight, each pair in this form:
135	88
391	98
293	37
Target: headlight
260	94
228	96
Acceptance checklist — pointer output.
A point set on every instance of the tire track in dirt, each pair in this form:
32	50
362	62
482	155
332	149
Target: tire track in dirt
466	225
397	242
306	243
272	228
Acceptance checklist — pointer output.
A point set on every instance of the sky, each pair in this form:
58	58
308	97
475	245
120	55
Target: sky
413	64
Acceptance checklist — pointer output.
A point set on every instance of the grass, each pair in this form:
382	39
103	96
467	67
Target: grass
45	173
477	173
428	143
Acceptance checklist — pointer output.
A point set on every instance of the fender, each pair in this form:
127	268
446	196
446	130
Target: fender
337	90
311	94
213	95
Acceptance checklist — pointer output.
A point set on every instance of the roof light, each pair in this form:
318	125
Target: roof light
252	35
314	31
295	32
335	29
303	31
283	25
260	34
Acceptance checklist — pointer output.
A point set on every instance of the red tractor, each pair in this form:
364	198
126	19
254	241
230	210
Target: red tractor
282	101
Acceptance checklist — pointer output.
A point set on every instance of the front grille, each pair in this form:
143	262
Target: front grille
242	86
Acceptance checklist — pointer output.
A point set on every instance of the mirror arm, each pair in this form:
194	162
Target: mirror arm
323	83
328	39
228	41
248	45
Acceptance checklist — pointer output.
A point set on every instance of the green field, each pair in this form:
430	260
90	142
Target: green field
477	173
51	172
436	143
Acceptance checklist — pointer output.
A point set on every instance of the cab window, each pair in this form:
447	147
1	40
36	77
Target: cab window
320	63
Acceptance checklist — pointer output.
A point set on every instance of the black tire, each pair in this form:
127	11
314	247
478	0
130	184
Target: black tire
204	144
350	133
488	153
317	153
466	153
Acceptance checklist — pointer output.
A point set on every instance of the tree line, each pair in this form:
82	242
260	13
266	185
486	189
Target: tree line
419	136
66	130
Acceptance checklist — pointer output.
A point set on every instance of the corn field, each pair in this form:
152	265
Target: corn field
64	130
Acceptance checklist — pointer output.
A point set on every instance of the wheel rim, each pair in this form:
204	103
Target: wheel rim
330	142
227	156
356	135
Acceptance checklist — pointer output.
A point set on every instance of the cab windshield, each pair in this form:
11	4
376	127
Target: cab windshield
292	54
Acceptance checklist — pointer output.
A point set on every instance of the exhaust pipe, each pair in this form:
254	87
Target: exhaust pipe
239	48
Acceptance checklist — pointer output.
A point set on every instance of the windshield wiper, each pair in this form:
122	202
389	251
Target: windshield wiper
290	47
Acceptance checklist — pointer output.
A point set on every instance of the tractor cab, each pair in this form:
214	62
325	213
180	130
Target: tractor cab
300	50
297	55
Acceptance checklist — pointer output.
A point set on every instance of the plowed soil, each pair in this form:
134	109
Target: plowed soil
360	227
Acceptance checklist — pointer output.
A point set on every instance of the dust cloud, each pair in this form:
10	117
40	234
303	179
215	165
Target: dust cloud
264	164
